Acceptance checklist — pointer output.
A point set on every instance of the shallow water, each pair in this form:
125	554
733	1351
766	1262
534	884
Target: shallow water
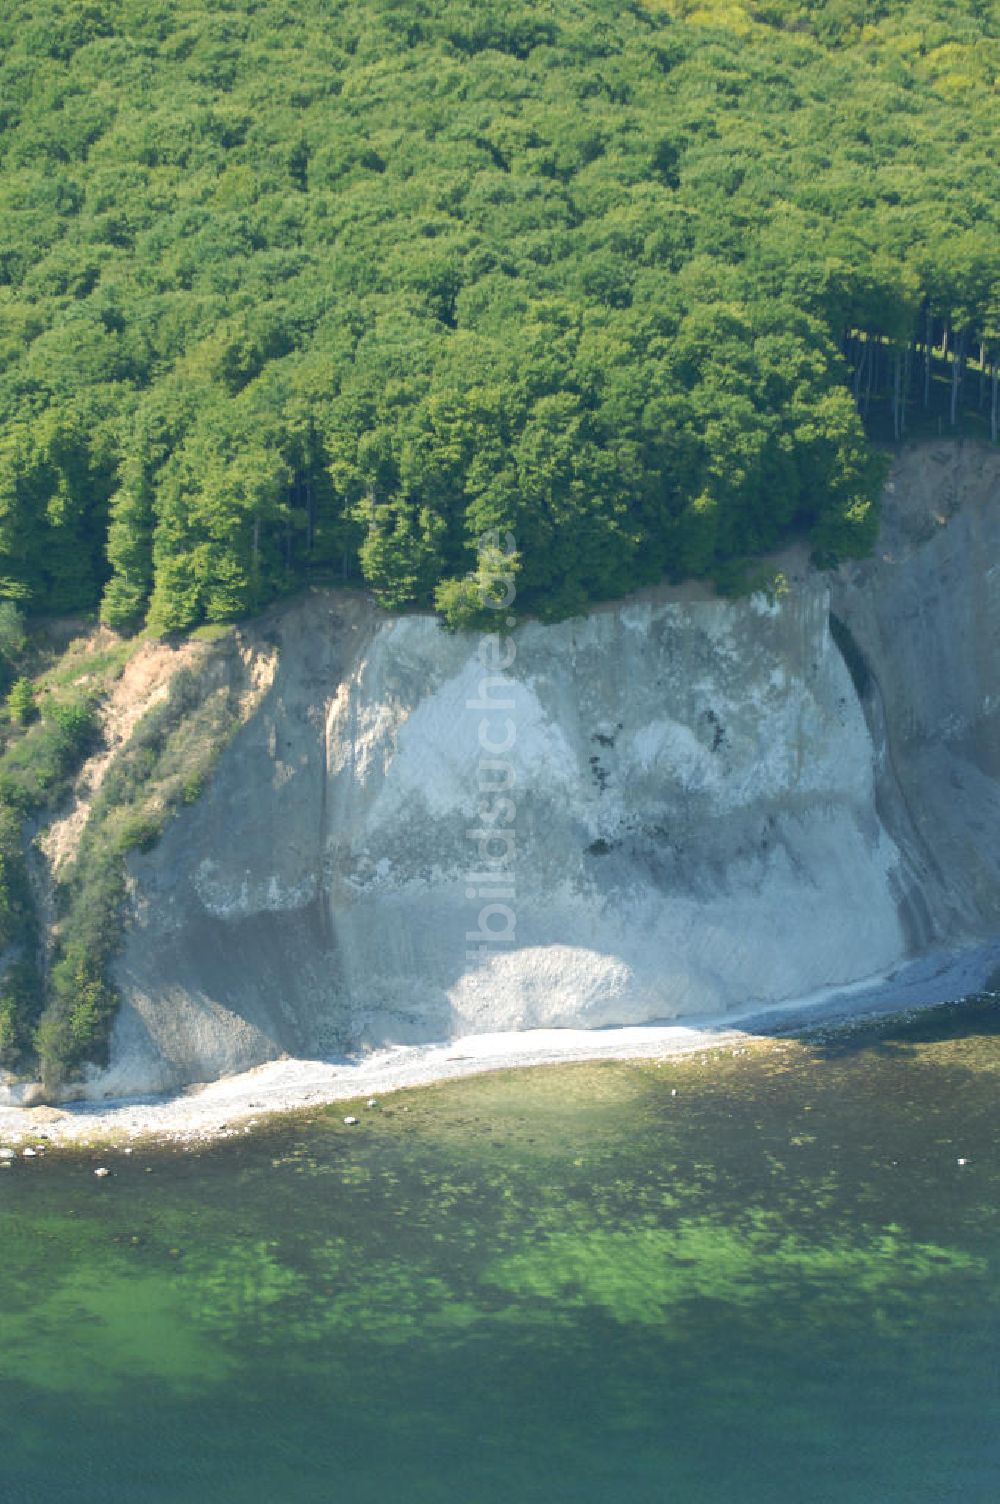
778	1284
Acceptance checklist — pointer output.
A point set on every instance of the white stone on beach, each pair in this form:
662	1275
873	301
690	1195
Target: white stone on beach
351	1122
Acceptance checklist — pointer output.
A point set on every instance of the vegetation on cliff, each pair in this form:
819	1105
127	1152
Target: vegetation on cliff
338	287
37	765
61	921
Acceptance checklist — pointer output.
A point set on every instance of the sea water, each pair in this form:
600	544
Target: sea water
769	1275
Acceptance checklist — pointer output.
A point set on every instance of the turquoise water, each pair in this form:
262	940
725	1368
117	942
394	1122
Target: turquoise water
561	1284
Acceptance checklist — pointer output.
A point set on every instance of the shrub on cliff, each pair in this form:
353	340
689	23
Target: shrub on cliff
21	702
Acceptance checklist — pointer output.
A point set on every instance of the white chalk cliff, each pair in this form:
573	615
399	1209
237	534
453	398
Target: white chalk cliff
713	803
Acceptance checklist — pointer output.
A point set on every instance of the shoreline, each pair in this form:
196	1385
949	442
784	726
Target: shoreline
235	1105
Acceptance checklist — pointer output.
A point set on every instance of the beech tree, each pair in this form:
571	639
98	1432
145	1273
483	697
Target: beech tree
638	288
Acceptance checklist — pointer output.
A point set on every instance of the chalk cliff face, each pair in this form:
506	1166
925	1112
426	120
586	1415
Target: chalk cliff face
699	804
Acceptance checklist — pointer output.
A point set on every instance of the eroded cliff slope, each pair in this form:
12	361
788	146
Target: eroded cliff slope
711	803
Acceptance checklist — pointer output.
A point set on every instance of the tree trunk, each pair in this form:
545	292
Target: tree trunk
897	396
995	409
859	368
871	371
958	359
928	341
982	375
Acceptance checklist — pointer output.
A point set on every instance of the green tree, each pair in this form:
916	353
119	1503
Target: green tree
21	702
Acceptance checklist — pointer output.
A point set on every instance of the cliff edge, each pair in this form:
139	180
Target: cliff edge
678	805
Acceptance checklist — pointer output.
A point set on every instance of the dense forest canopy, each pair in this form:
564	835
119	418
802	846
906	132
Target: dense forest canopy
335	287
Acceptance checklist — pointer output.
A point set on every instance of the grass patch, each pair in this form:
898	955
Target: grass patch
212	631
81	665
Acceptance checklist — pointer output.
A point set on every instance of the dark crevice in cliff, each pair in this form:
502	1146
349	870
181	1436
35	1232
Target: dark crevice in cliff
857	663
920	872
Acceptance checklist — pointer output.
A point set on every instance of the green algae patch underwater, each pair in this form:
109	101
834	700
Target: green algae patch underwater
760	1274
